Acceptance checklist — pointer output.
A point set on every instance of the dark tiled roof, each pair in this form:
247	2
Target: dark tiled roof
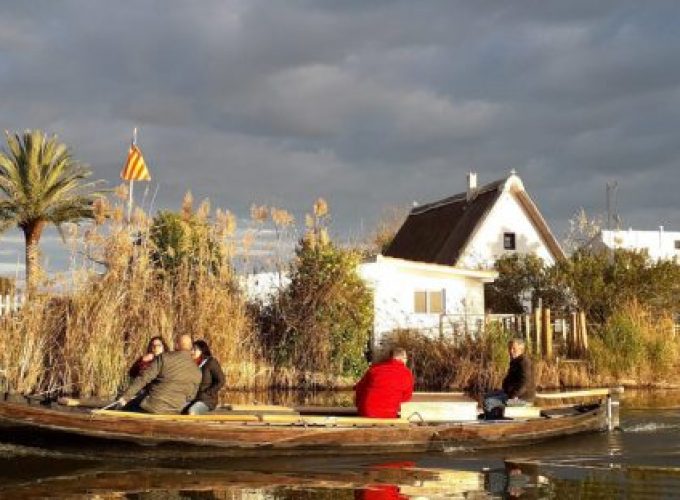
438	232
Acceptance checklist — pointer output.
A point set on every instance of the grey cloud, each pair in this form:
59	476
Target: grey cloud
368	103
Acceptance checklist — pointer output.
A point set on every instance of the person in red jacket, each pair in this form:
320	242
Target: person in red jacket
384	387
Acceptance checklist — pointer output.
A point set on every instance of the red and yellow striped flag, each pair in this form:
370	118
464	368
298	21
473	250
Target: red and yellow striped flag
135	167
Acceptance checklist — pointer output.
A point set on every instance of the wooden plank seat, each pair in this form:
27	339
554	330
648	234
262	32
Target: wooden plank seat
235	409
349	411
273	419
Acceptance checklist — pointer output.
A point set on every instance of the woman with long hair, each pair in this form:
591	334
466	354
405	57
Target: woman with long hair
212	379
154	348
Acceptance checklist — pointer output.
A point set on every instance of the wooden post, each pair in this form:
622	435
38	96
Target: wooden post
538	332
547	334
527	331
572	342
584	332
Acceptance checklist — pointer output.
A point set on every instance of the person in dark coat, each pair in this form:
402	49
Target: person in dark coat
518	384
212	380
154	348
171	382
384	387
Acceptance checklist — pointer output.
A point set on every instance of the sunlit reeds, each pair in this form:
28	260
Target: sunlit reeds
83	340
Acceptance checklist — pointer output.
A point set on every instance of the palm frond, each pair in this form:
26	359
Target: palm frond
41	182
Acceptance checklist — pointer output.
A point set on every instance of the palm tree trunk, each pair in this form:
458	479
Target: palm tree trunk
32	233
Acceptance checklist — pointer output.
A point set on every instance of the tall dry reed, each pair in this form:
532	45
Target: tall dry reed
473	364
636	345
84	340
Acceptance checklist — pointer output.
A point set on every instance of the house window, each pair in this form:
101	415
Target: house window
428	302
509	241
677	244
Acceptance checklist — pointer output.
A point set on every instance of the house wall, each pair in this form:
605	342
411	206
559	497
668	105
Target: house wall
486	245
659	244
394	289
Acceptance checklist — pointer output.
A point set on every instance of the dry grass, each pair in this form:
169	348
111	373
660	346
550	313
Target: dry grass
84	341
477	365
636	345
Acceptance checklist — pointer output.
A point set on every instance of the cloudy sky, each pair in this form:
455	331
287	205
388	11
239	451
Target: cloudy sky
368	103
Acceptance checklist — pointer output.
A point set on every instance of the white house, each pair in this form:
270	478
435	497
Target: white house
432	275
431	298
659	245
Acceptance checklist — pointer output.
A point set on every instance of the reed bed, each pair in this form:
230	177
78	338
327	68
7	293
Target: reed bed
174	274
636	345
83	341
171	275
473	364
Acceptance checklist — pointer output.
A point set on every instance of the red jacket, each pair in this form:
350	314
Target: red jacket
383	388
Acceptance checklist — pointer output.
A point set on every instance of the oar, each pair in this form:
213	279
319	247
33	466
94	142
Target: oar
109	406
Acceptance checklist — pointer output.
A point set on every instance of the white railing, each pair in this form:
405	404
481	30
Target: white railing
10	304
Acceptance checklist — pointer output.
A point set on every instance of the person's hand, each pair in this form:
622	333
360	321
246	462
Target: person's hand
122	401
148	357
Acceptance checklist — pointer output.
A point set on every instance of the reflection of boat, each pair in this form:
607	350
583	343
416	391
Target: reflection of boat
127	481
371	482
277	433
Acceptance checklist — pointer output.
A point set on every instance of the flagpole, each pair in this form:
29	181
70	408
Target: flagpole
132	182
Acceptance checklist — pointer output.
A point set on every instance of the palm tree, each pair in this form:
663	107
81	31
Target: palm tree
41	184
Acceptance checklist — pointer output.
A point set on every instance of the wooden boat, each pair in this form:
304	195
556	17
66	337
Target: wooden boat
247	431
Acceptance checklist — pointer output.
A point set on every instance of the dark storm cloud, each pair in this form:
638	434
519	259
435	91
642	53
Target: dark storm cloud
368	103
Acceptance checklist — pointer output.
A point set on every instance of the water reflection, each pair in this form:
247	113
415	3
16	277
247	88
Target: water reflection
385	481
380	481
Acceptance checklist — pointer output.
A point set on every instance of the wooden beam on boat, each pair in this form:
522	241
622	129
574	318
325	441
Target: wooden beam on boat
419	397
261	418
331	421
603	391
327	410
260	408
210	417
83	402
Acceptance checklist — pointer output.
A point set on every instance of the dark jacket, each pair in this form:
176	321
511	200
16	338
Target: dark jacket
519	381
383	388
138	368
171	380
211	382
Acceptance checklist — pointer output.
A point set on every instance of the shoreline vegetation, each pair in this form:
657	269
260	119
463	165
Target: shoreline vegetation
175	273
178	273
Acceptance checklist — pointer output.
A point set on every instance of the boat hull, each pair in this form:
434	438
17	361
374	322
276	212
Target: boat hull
245	438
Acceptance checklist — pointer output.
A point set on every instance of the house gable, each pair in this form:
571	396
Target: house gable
437	233
466	230
507	218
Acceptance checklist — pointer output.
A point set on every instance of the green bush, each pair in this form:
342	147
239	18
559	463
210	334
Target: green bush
183	240
622	345
321	321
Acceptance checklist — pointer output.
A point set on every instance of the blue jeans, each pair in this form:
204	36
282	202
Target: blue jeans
198	408
494	403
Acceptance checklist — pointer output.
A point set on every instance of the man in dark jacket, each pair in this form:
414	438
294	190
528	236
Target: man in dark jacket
171	380
518	384
384	387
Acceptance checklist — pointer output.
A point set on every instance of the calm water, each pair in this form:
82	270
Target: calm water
641	461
